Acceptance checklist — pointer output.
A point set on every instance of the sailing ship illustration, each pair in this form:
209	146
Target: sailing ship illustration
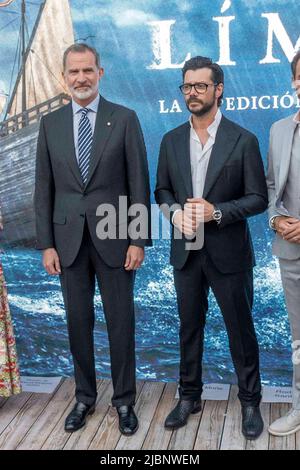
38	90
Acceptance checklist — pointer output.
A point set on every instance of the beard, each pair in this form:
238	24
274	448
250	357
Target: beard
206	107
84	95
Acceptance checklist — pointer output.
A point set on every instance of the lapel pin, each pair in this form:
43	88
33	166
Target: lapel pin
109	123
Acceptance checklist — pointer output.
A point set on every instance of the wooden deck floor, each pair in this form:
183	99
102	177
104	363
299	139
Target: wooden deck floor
36	421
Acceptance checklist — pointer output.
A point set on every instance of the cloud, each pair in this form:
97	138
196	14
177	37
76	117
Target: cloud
121	16
132	18
184	6
2	87
254	5
9	39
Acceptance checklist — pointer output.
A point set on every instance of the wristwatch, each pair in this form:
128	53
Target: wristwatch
217	215
272	222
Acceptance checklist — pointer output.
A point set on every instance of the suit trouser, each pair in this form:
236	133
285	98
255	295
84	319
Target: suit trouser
234	295
290	275
116	289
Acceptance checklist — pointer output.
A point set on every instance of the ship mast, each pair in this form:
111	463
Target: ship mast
38	79
23	51
23	58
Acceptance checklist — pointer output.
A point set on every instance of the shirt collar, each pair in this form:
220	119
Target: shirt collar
296	118
212	129
93	106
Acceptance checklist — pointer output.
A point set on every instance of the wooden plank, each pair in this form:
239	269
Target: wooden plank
184	438
158	437
108	434
262	443
233	438
82	439
34	421
58	437
145	409
210	431
19	426
11	408
281	443
46	422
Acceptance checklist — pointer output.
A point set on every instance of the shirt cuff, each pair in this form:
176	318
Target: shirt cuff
173	216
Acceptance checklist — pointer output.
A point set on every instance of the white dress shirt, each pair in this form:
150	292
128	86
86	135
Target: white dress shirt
296	119
92	114
200	155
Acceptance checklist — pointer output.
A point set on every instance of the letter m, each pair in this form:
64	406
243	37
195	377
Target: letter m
276	28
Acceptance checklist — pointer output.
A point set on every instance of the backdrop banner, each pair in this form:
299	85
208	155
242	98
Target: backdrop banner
143	45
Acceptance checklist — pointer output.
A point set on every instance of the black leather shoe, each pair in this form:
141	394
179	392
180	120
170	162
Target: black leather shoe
252	422
76	419
179	416
128	422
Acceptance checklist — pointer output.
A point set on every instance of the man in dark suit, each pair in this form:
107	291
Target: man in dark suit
212	164
90	153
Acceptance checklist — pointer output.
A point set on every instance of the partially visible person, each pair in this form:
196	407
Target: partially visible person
284	213
9	370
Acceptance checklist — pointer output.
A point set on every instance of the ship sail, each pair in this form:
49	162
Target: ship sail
44	93
2	102
52	34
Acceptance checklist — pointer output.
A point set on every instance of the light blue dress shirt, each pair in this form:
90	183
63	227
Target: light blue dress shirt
92	114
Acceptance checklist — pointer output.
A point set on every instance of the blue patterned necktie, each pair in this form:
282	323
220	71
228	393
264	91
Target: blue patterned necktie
85	140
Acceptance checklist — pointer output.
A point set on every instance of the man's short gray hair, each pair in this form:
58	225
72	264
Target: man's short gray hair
81	47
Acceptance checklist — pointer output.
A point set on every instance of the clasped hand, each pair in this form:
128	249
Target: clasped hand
288	228
196	210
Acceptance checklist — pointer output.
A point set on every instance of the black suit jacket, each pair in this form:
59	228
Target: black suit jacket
118	167
235	183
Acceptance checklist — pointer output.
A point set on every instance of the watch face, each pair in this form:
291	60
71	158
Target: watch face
217	215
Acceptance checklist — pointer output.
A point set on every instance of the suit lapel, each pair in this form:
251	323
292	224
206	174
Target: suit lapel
182	152
68	140
226	138
286	153
102	132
